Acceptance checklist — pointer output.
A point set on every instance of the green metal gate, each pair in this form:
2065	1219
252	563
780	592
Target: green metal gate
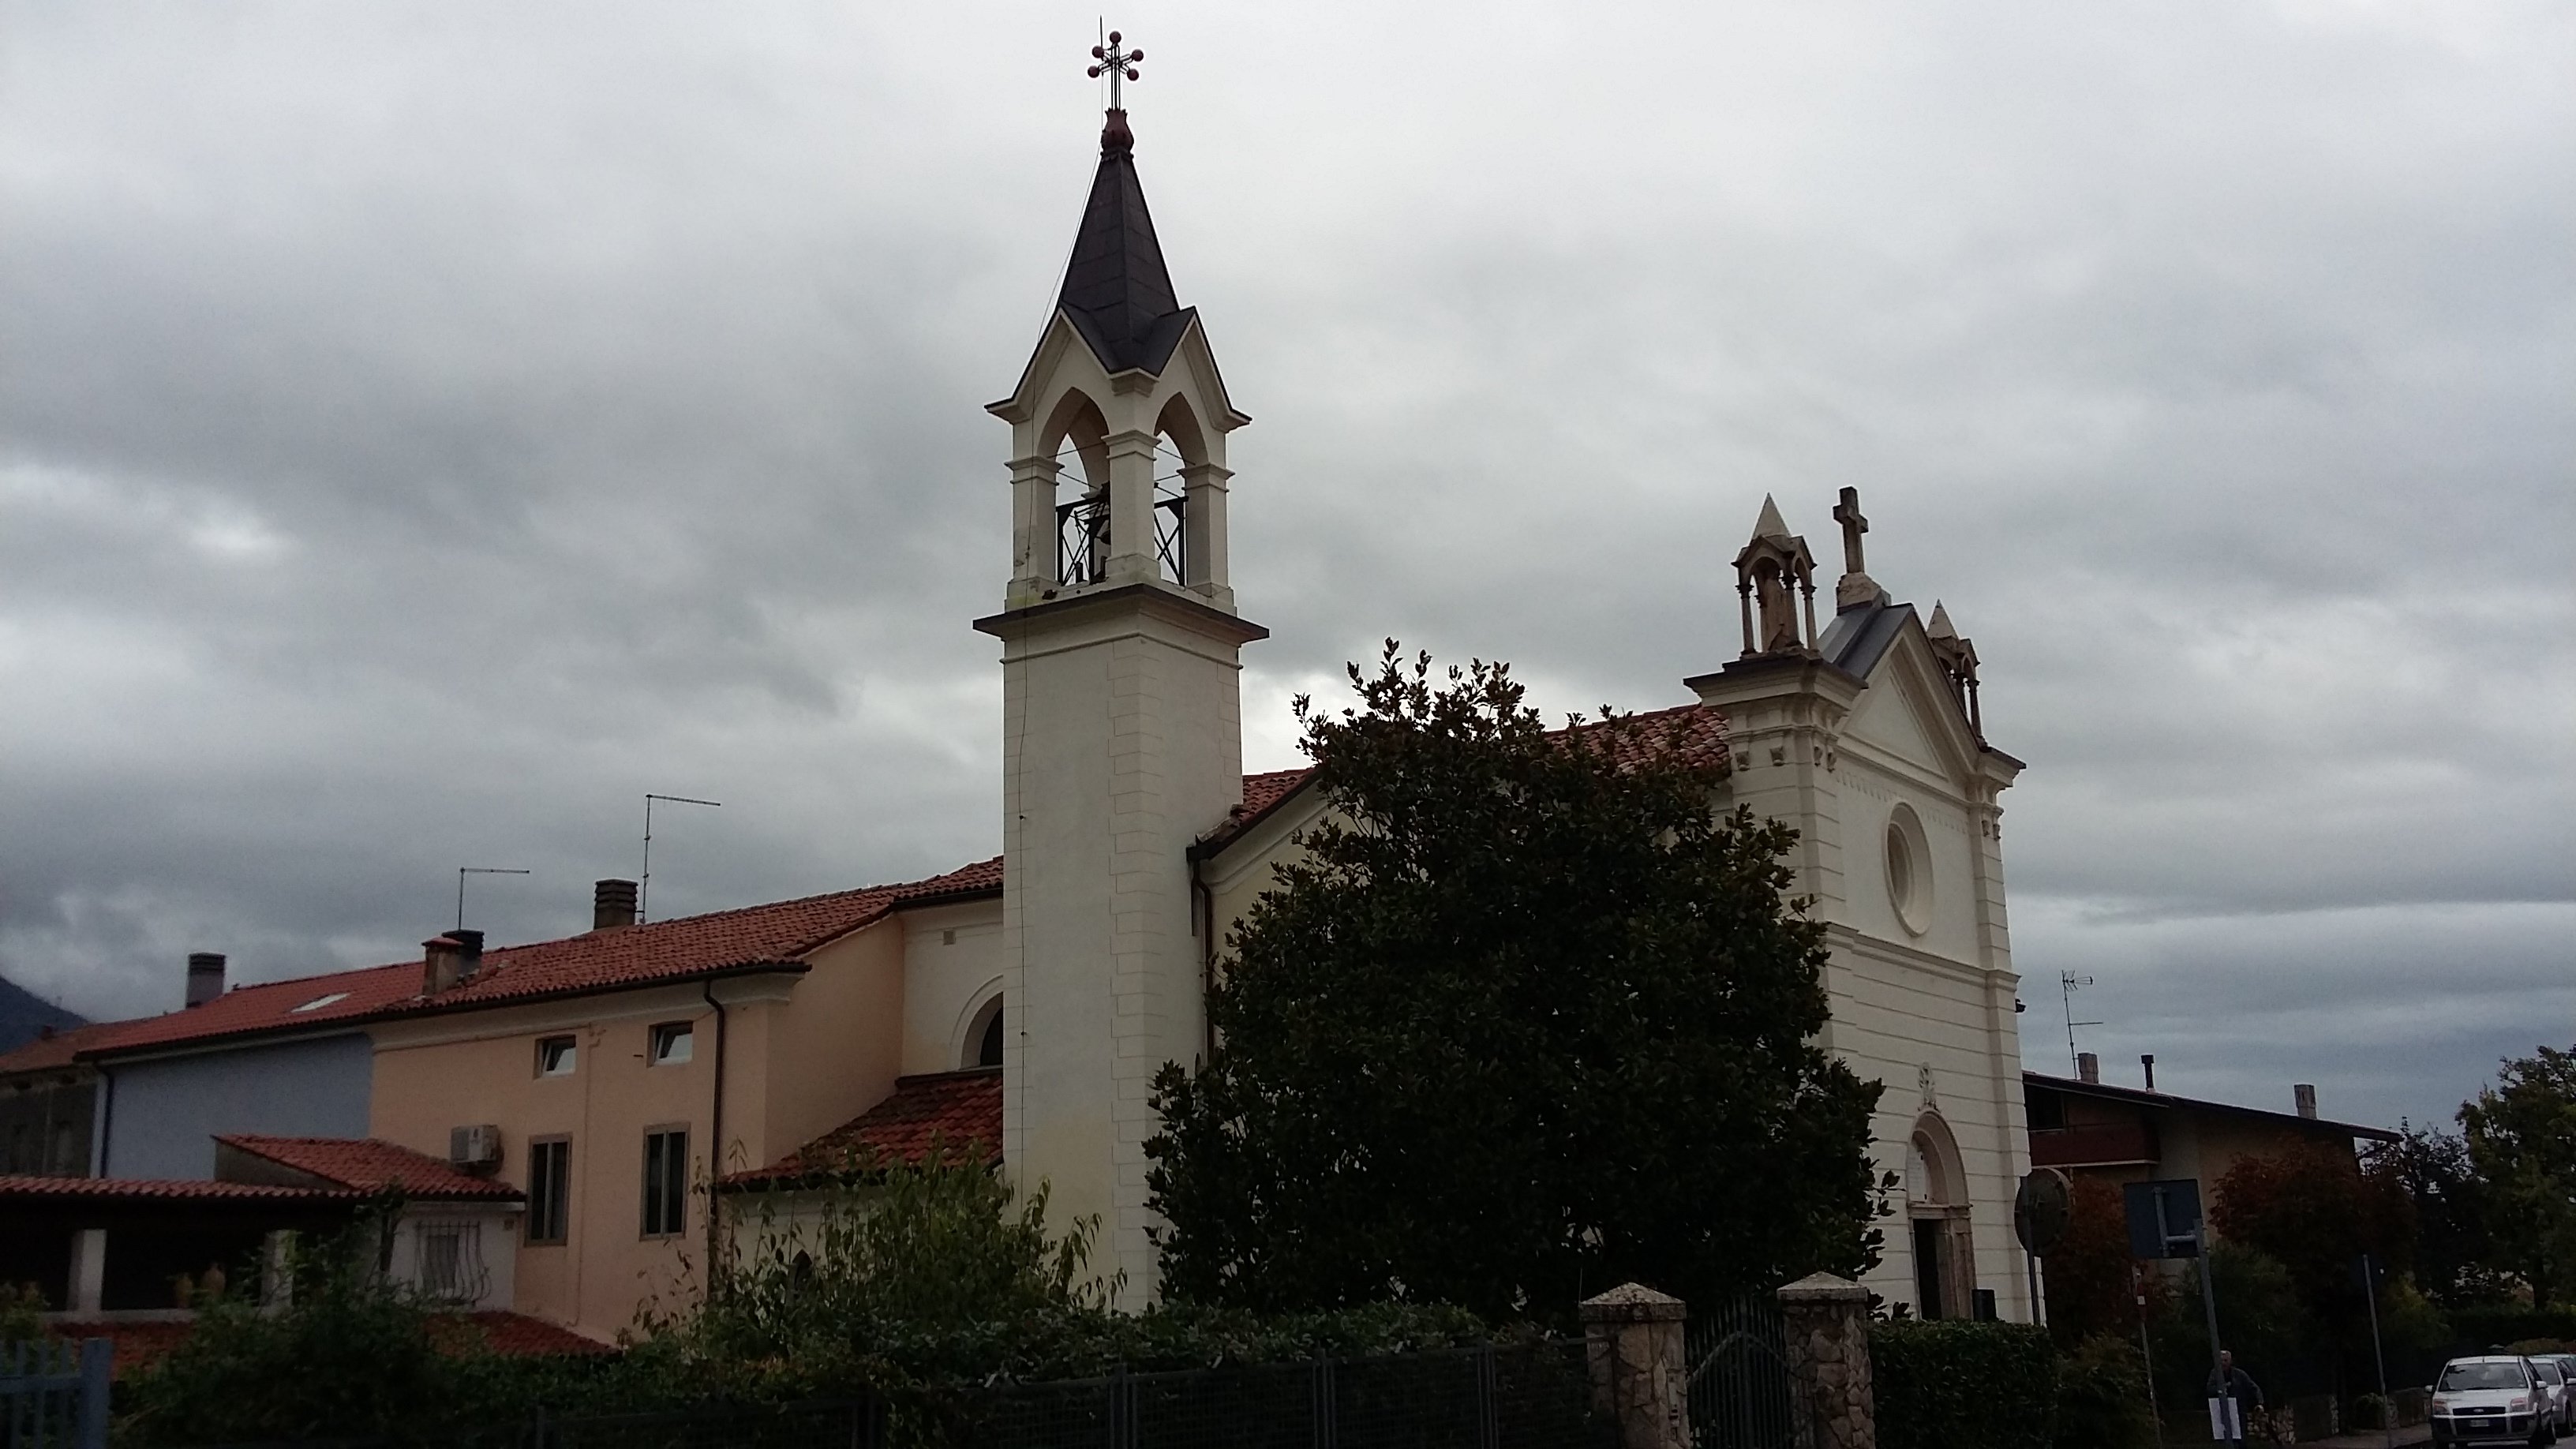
1739	1376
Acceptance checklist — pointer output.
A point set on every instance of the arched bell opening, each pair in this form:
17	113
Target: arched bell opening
1076	437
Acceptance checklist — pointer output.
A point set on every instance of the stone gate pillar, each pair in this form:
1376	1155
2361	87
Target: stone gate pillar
1825	1327
1633	1340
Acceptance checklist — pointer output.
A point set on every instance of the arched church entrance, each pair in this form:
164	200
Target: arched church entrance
1936	1211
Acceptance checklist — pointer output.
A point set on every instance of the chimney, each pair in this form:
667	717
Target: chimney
2148	1061
205	976
612	903
2088	1068
2305	1094
449	959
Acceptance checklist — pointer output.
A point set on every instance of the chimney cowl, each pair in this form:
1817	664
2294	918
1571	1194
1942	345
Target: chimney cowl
205	976
2304	1095
2147	1061
449	959
2088	1068
612	904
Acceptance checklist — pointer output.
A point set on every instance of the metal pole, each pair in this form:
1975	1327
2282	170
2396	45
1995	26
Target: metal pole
2209	1305
2032	1261
2387	1407
2146	1351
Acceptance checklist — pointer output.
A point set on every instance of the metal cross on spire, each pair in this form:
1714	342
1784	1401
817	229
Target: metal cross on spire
1119	65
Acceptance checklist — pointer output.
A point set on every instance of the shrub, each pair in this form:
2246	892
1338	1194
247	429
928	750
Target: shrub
2486	1325
356	1356
2102	1397
20	1305
1962	1385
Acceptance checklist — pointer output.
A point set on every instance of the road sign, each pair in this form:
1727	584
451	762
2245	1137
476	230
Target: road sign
2164	1218
2041	1210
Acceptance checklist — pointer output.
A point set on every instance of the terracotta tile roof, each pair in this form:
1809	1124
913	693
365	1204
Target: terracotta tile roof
955	1109
1698	732
140	1345
133	1189
48	1052
516	1334
679	949
365	1165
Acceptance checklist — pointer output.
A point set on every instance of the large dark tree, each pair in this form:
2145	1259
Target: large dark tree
2453	1257
2522	1140
1527	1019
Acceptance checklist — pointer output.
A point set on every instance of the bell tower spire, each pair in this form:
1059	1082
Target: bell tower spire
1121	704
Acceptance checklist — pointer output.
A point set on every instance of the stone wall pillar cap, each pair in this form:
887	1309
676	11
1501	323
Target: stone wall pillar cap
1632	1303
1824	1288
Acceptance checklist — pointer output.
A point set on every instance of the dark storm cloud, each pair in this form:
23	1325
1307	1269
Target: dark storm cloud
425	429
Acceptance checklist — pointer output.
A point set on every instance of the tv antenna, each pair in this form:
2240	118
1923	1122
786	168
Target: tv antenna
462	872
644	887
2069	983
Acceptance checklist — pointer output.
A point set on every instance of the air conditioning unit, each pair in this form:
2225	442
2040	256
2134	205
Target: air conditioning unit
474	1148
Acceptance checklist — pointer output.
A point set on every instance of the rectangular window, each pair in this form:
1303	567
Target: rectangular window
666	1182
673	1042
555	1056
549	1189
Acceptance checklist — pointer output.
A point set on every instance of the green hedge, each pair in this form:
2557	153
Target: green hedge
2487	1326
1963	1385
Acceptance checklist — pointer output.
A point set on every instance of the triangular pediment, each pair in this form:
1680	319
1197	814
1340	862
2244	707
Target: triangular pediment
1909	713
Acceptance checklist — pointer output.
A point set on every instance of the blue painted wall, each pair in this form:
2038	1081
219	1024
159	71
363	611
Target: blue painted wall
162	1116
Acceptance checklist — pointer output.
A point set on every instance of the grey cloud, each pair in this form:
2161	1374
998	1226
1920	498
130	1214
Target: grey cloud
425	428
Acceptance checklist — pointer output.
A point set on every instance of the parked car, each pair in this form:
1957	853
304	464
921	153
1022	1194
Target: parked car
2567	1388
2493	1399
2562	1391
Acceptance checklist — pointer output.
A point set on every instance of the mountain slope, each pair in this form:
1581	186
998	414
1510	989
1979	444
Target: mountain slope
23	1013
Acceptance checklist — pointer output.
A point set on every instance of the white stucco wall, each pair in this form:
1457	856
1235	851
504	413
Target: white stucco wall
952	966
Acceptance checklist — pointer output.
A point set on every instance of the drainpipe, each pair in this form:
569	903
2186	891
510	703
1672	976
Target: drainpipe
715	1134
106	1124
1203	900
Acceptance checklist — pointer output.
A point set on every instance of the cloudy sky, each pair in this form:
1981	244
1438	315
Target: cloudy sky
426	428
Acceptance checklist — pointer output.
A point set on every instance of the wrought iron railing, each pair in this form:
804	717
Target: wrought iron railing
1082	538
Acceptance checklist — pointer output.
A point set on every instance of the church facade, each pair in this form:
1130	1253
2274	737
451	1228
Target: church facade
1132	841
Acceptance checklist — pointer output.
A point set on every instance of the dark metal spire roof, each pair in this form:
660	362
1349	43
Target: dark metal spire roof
1116	290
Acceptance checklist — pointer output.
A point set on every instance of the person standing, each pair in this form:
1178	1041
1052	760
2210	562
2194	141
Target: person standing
2227	1381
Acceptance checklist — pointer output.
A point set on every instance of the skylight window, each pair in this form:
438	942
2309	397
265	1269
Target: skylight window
319	1002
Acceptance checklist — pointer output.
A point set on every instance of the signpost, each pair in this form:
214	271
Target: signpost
2041	1211
2164	1222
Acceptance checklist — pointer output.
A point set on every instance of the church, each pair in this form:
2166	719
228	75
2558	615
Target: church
595	1083
1131	839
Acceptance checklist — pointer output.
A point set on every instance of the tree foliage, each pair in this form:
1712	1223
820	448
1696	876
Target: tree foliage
2091	1289
2521	1138
2453	1253
2311	1208
1526	1019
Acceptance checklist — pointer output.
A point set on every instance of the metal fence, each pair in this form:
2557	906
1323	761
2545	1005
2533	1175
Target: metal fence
53	1394
1739	1375
1533	1396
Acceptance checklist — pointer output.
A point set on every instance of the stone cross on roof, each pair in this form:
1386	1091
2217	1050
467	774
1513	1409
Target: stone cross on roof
1855	586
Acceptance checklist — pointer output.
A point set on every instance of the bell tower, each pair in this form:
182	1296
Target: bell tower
1122	715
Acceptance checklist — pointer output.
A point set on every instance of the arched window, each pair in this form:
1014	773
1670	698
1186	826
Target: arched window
984	1037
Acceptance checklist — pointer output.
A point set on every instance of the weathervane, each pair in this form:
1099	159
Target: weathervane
1109	60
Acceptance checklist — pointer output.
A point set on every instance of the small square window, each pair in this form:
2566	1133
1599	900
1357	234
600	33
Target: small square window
555	1056
673	1044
